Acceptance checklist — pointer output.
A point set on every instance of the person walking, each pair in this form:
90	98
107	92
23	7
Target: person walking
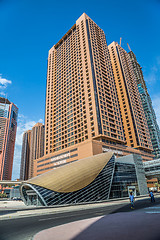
131	196
152	196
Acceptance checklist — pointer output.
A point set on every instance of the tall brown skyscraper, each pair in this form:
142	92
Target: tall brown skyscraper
8	128
83	114
81	98
133	117
32	148
36	146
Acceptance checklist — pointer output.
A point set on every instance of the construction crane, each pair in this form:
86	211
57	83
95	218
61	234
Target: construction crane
120	41
129	47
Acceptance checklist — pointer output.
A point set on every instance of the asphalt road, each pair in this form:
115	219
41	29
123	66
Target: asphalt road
25	228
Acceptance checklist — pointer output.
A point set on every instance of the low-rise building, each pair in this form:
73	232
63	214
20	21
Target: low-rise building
91	179
82	150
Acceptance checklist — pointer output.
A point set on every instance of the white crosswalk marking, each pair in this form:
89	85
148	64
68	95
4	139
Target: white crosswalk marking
152	207
152	210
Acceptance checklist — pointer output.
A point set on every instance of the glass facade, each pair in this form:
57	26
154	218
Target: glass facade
8	127
147	106
151	120
4	110
124	177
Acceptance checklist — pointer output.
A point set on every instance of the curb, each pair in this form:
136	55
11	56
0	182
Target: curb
77	204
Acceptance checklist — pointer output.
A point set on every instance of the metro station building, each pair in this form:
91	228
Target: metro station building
92	179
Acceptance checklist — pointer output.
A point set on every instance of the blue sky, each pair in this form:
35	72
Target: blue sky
29	28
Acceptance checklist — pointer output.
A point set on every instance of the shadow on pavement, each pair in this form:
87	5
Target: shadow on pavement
125	223
126	226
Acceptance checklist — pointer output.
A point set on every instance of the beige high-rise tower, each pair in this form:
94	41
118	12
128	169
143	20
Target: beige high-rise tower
133	117
81	98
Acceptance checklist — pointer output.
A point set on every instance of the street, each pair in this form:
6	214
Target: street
26	227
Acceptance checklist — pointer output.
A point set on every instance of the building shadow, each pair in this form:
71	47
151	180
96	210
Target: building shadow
124	224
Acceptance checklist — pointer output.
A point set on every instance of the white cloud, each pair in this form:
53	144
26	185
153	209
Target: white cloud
3	94
153	80
4	84
22	127
156	106
16	162
41	121
24	124
153	77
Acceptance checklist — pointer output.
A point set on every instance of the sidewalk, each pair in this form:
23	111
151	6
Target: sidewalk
16	209
13	204
23	212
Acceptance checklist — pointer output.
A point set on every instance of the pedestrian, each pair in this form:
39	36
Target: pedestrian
131	196
152	196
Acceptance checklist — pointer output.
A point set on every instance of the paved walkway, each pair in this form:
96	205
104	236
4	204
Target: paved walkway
141	224
9	205
17	209
7	213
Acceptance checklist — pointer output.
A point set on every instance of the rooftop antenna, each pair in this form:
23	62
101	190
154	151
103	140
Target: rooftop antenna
120	41
129	47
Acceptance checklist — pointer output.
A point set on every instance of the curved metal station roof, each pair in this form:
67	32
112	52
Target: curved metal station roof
74	176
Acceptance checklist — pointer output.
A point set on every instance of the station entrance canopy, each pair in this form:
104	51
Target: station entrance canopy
91	179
